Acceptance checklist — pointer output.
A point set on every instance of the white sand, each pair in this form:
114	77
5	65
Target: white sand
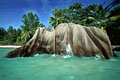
9	46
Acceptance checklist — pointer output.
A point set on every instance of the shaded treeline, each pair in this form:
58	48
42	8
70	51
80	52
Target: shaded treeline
21	35
106	18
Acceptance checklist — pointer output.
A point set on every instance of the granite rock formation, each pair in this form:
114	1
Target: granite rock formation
83	41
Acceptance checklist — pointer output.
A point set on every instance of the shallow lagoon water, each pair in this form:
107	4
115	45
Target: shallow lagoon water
52	67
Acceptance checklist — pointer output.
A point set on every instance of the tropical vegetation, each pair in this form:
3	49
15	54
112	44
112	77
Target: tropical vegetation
104	17
24	33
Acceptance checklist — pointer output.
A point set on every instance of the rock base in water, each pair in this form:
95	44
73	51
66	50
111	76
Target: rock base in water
83	41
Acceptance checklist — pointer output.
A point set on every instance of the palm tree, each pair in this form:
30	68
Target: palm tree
112	4
25	34
100	16
97	16
56	21
114	18
113	28
59	17
30	24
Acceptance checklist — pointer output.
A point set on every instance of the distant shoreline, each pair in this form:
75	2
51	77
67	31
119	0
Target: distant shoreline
9	46
14	46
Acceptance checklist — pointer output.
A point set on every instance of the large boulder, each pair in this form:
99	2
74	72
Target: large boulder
67	37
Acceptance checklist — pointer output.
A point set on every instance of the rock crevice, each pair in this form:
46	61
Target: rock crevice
84	41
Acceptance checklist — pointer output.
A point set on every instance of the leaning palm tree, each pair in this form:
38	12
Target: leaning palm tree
100	16
114	17
59	17
56	21
97	15
113	26
25	34
112	4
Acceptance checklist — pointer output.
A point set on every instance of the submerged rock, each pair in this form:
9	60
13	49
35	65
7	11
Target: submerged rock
82	41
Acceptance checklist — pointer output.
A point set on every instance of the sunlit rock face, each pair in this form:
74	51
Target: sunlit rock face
67	38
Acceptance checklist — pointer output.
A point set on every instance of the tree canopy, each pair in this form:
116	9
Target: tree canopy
22	34
30	24
106	18
2	33
91	15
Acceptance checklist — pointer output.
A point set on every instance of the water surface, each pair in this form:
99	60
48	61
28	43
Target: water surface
51	67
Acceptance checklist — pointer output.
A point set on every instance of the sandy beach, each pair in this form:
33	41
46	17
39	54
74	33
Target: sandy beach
9	46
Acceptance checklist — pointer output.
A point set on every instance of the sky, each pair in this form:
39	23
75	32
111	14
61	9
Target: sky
11	11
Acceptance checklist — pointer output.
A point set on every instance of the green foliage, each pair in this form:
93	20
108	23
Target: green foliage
2	33
113	28
5	42
107	18
112	4
18	39
20	36
97	15
55	21
114	18
91	15
60	17
11	35
114	35
30	24
26	35
74	14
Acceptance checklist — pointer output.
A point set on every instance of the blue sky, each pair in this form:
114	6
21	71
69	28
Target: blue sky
11	11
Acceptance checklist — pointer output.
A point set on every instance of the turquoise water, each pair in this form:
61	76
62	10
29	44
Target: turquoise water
47	67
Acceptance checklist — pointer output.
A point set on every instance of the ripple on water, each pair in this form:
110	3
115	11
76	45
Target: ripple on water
53	67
